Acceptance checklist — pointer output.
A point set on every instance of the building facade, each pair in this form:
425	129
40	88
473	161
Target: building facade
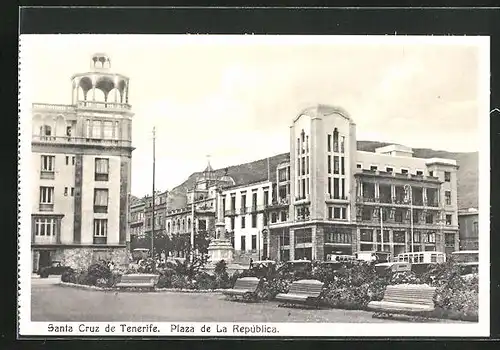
334	199
81	154
468	222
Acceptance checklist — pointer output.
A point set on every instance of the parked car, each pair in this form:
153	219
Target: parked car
55	268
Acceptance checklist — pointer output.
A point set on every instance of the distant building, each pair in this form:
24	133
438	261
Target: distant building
468	222
81	155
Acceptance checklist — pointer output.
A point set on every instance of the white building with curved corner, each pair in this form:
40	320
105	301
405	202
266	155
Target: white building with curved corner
81	153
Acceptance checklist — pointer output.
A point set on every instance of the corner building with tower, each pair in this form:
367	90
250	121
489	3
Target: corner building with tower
81	157
331	198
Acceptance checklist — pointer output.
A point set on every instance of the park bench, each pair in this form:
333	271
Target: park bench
409	299
138	281
305	292
245	287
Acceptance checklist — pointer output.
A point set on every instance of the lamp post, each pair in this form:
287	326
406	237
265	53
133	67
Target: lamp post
408	191
153	228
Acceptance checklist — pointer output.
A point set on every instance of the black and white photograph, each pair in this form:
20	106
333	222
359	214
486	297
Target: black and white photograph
254	185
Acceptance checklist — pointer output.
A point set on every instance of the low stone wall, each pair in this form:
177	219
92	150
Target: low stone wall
169	290
80	258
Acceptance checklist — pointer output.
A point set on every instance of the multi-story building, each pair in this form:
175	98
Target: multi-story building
333	198
81	154
468	223
136	223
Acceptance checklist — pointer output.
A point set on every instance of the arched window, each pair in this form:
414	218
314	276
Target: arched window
183	225
189	224
168	227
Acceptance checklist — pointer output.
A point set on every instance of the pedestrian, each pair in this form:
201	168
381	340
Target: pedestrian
251	262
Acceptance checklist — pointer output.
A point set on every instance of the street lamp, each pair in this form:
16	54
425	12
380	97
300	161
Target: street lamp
408	191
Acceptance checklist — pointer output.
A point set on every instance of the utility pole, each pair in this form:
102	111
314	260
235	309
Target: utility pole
192	224
154	190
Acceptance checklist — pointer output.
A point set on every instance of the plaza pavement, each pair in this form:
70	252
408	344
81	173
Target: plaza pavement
52	302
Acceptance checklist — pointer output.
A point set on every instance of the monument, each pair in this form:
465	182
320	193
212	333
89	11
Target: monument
220	247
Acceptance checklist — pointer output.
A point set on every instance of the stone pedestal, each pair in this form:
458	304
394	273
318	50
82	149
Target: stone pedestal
220	248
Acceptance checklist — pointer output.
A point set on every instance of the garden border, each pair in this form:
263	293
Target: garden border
155	290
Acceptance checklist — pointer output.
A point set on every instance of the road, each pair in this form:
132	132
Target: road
52	302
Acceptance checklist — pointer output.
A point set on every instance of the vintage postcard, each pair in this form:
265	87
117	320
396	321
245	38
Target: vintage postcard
247	185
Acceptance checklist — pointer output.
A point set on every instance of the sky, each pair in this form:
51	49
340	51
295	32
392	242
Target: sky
234	97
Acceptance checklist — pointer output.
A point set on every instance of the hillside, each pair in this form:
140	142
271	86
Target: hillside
258	171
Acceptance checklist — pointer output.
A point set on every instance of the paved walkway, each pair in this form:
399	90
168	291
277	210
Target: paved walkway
52	302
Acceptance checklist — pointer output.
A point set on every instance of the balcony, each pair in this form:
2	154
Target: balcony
70	140
100	240
257	208
230	212
332	198
46	207
280	202
45	239
394	175
47	175
49	107
301	200
111	106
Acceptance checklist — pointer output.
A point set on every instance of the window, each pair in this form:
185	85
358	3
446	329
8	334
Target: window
398	215
399	236
254	200
447	176
419	173
243	201
342	141
429	218
307	165
336	164
46	198
329	137
242	243
329	185
303	236
283	216
232	222
338	237
72	191
298	146
45	226
431	173
336	194
389	169
342	193
100	231
96	129
242	222
343	213
254	220
100	200
449	239
404	171
367	214
48	163
373	167
342	165
73	160
101	169
416	237
366	235
265	219
108	130
329	164
359	166
303	172
475	228
65	191
254	242
448	219
447	197
330	213
274	218
67	160
335	140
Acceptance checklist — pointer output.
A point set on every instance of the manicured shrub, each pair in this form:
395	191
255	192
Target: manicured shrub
98	270
204	281
270	288
69	276
44	272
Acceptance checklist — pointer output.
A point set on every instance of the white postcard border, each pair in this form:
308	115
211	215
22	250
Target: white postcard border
28	328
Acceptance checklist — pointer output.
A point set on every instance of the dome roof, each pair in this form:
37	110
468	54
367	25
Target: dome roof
227	179
322	110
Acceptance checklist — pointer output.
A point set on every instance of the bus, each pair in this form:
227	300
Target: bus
373	256
468	260
420	261
340	257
